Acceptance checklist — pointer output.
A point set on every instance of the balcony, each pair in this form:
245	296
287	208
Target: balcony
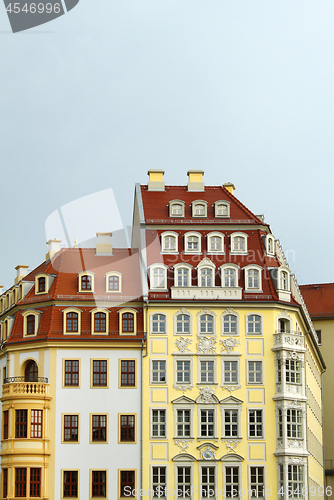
19	387
289	340
206	293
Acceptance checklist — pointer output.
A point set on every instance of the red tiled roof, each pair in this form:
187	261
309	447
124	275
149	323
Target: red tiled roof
319	299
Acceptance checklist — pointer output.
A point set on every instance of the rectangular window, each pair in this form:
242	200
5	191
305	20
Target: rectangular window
5	483
280	424
127	428
255	372
279	371
159	423
230	372
208	482
159	372
127	483
207	371
5	425
99	484
257	482
100	373
318	332
21	417
99	428
20	482
114	283
231	423
232	482
292	371
207	426
128	373
159	482
70	486
71	430
35	482
183	423
255	424
296	480
71	372
183	482
36	423
294	424
183	372
281	481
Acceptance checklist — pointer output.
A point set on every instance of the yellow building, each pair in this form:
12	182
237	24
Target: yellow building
319	299
232	394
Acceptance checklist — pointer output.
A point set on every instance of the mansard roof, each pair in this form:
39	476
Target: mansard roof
319	299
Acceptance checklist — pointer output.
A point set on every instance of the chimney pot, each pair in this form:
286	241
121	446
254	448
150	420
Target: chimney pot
54	247
103	245
156	180
21	272
195	182
230	187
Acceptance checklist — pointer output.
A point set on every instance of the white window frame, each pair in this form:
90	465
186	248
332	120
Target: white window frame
183	313
226	204
222	274
159	423
270	238
247	270
117	275
158	313
206	359
183	359
207	408
248	361
290	483
182	465
152	268
206	264
188	235
295	423
248	316
230	359
215	234
199	316
289	371
238	251
159	466
159	371
183	409
287	322
169	234
236	465
230	408
249	423
202	466
230	334
262	466
177	267
281	286
195	204
172	204
91	275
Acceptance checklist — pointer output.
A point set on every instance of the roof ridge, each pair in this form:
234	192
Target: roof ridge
241	205
58	272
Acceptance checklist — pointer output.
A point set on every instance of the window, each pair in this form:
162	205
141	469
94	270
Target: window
99	428
294	424
86	282
183	372
113	283
318	334
215	243
206	277
284	281
70	483
183	482
127	483
35	482
280	424
230	324
99	484
192	242
158	277
41	284
230	423
232	482
21	417
158	372
207	423
31	372
71	373
72	322
270	245
198	209
31	324
257	482
293	371
284	326
238	243
4	483
169	242
208	482
206	323
255	424
36	424
5	425
158	423
183	423
296	480
71	428
222	209
159	482
128	374
128	322
253	278
254	324
255	372
176	208
229	277
230	372
100	373
20	482
183	323
207	372
100	323
182	277
158	323
279	371
127	424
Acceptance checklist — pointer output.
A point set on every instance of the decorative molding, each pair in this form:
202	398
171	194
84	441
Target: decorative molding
208	453
182	344
206	345
228	310
183	388
184	445
231	387
207	396
293	355
294	443
229	344
231	445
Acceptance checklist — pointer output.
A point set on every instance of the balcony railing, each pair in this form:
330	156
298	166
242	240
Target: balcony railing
17	386
11	380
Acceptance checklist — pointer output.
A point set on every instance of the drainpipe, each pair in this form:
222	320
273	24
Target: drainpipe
145	298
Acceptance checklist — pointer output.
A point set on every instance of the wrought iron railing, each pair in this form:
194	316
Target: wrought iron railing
13	380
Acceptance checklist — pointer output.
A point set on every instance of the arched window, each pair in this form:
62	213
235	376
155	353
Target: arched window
253	278
31	324
199	210
254	324
239	244
127	323
169	242
158	323
284	281
230	324
215	244
222	209
182	323
177	209
113	283
206	277
31	372
86	282
182	276
41	284
206	323
193	243
229	277
72	322
100	323
284	326
158	277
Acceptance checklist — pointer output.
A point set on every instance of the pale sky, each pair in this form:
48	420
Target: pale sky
242	89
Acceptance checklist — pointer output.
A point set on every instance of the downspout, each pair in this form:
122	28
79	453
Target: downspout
145	298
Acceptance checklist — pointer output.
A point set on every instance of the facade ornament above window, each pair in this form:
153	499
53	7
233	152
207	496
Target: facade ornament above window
208	453
229	344
207	396
231	445
183	387
184	445
206	345
182	344
294	443
228	310
231	388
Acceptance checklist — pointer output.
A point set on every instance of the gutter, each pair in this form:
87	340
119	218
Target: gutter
145	298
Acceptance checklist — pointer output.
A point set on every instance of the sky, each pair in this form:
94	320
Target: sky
242	89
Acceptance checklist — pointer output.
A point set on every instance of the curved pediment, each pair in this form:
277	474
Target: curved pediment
183	457
232	457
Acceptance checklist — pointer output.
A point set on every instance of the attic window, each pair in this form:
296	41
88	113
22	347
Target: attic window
222	209
86	282
176	208
41	284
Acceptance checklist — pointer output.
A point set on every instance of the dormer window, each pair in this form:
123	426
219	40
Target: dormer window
182	275
229	277
199	208
215	243
30	323
206	277
169	242
192	243
158	276
176	208
284	281
113	282
222	209
86	282
206	273
41	284
238	243
253	281
270	245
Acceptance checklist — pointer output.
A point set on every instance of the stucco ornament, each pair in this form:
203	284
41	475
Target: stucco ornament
231	446
206	345
208	453
182	344
184	445
207	395
183	388
229	344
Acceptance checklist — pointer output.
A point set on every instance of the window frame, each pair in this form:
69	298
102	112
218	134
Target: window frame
47	283
231	408
249	315
206	359
70	441
71	386
120	482
207	408
248	361
158	313
176	202
120	415
228	206
230	359
238	234
153	268
247	270
120	385
120	320
23	482
25	315
297	373
226	314
202	313
91	431
268	238
183	465
67	311
182	359
118	275
36	426
159	371
294	423
190	234
99	386
89	274
215	234
91	471
236	465
188	267
99	311
236	270
182	322
21	425
160	483
195	204
63	471
167	234
207	465
183	423
255	466
256	424
159	424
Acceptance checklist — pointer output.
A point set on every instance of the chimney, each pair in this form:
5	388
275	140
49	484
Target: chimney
103	245
230	187
1	287
54	247
156	180
195	182
21	272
